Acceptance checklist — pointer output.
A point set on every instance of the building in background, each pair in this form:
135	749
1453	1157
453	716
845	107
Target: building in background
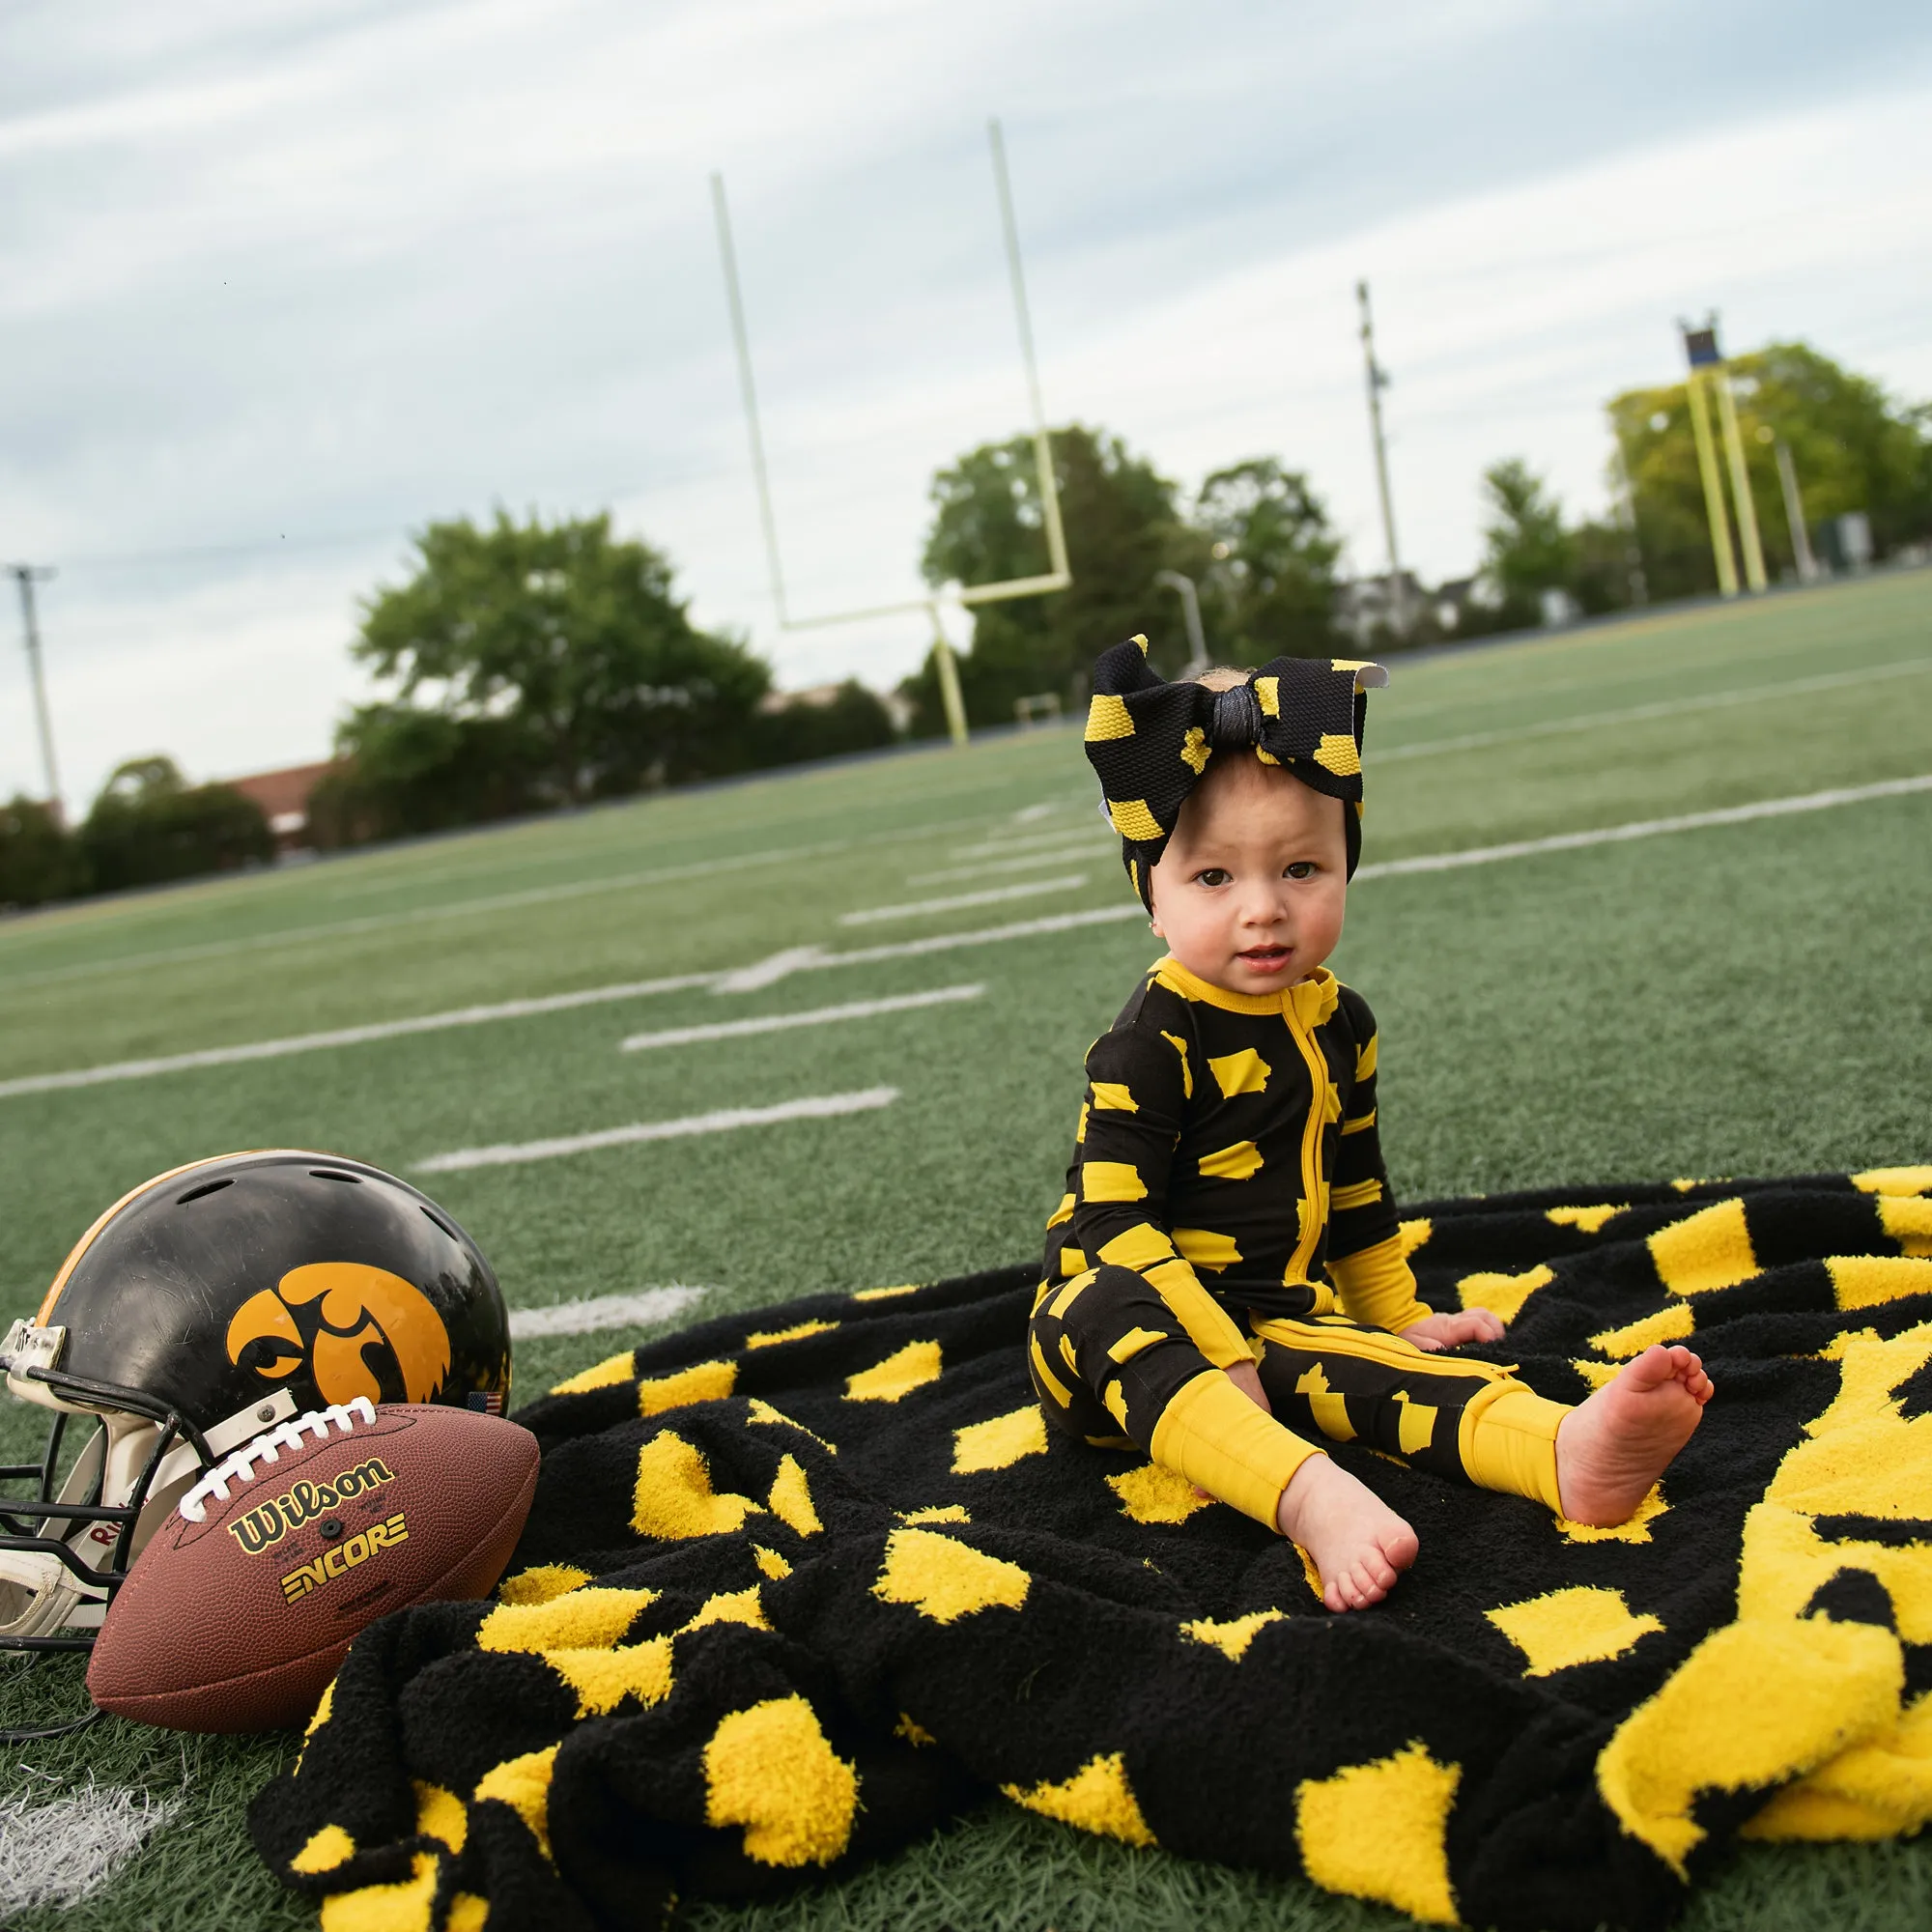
283	797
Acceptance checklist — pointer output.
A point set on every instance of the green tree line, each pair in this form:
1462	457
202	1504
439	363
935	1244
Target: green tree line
530	666
148	827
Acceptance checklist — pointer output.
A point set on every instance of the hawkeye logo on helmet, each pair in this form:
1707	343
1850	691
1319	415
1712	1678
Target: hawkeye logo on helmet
329	1316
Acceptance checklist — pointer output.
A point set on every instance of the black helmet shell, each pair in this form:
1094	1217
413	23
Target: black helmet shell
223	1282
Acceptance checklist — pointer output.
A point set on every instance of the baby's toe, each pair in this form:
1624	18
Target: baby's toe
1374	1580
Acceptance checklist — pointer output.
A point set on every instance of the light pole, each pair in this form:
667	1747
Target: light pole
1378	379
27	575
1190	611
1794	513
1633	571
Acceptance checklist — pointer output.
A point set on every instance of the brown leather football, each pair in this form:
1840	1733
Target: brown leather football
239	1611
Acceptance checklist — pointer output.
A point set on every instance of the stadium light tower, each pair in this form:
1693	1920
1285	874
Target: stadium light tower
27	575
1058	573
1378	379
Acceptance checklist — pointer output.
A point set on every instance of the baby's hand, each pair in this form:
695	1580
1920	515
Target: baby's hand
1246	1378
1445	1331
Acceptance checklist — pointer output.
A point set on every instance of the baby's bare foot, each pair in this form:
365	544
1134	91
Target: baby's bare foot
1357	1541
1611	1450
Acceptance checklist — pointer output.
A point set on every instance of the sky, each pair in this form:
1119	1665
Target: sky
281	281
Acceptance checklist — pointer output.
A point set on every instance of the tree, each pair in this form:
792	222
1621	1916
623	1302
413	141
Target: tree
1270	588
1853	447
1121	528
814	725
1526	550
402	771
39	860
149	826
568	637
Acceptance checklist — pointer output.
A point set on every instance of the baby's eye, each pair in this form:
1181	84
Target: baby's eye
1302	868
1212	875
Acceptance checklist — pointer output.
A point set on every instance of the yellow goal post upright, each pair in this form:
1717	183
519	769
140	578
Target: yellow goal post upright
1706	371
1059	574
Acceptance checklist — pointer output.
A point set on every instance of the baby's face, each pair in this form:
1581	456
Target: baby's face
1249	894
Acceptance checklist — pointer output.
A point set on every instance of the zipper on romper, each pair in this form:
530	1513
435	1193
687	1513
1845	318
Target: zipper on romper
1316	1209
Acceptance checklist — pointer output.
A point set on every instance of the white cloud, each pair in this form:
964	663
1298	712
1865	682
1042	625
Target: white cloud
280	283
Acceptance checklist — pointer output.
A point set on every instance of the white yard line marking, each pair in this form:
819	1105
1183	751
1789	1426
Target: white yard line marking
985	935
1635	714
958	901
1647	828
724	1120
993	867
306	935
815	959
640	1308
766	972
855	1009
996	848
382	922
311	1042
63	1850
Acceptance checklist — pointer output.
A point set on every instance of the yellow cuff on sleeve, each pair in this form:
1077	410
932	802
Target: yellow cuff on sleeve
1211	1434
1379	1287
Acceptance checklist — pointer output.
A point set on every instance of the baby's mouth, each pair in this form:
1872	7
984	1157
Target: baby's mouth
1267	958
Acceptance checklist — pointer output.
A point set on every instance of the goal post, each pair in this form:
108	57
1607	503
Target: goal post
1059	574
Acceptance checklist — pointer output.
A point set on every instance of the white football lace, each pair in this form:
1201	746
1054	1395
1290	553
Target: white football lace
240	1466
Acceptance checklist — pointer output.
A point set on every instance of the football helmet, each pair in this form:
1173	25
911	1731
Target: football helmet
208	1305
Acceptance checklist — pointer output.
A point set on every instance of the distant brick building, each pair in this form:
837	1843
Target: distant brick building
283	797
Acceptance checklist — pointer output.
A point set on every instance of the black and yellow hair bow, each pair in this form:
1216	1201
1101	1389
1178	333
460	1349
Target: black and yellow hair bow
1151	741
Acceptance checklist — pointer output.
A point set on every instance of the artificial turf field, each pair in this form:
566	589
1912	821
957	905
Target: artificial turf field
1749	997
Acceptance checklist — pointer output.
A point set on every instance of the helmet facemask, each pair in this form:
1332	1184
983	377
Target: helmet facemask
67	1541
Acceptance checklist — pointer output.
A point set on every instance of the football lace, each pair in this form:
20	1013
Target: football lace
239	1465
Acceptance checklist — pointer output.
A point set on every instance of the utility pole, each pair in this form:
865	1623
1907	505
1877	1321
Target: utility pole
1377	381
27	575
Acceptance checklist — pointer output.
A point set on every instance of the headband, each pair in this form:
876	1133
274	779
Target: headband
1151	741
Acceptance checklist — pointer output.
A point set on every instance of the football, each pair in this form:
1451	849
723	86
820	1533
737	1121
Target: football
240	1607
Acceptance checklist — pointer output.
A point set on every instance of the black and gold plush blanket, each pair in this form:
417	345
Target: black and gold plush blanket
799	1585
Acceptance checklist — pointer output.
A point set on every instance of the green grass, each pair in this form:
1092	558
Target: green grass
1742	999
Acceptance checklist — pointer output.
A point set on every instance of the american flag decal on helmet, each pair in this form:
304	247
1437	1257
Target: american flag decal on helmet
486	1402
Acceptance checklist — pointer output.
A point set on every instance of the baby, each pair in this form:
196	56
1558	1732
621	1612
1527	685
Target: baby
1225	1279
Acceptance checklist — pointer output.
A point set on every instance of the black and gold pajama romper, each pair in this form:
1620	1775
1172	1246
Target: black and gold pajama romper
1226	1203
